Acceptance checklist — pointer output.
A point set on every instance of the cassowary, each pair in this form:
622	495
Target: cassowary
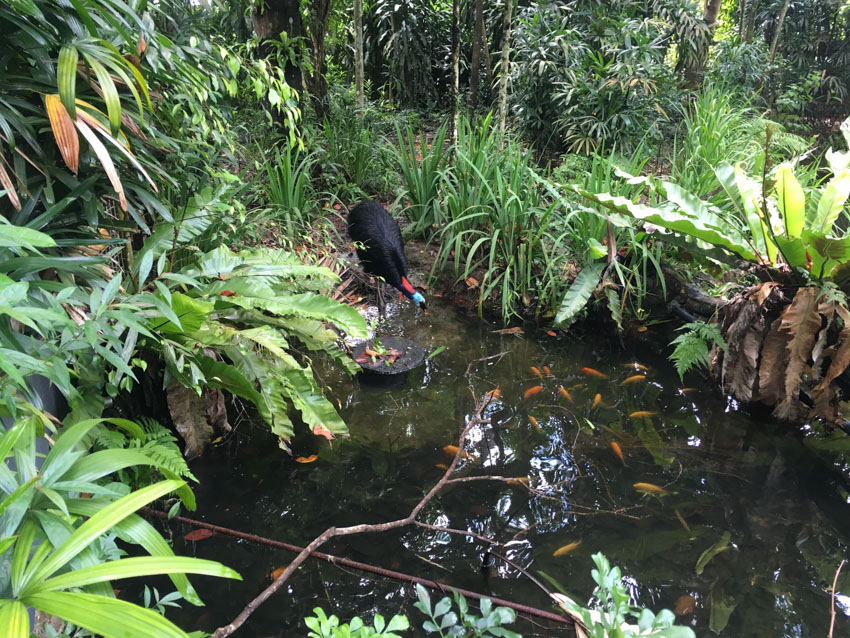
381	248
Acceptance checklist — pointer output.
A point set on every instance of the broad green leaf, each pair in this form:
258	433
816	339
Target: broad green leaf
132	568
674	220
109	617
827	253
22	237
578	294
191	312
99	524
790	200
752	204
311	306
14	619
831	202
306	396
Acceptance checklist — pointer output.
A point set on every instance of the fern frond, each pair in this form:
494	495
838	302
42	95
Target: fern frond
692	345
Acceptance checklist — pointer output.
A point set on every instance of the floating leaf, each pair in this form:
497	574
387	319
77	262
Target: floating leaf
720	546
199	534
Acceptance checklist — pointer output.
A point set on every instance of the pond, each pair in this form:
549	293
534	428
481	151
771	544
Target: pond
724	475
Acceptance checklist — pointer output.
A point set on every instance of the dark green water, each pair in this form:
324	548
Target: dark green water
784	507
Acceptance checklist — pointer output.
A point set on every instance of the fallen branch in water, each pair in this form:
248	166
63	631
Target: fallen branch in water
410	519
834	585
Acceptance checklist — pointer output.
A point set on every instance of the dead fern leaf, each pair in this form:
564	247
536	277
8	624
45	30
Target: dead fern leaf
802	321
743	339
774	357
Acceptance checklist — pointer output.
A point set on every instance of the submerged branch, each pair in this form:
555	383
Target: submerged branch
334	532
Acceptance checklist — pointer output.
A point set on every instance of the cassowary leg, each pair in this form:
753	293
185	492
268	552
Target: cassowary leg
382	311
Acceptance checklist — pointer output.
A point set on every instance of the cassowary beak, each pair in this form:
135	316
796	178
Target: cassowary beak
419	300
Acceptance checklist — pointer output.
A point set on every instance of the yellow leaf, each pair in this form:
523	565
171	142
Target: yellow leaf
7	183
105	159
63	130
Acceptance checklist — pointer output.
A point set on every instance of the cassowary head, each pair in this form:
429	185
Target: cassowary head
411	293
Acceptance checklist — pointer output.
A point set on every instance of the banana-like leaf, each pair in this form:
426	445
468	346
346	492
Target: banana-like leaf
675	220
831	202
578	294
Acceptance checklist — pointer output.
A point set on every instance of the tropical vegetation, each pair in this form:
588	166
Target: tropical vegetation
170	176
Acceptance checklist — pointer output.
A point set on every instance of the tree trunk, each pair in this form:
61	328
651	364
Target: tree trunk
358	56
318	11
279	16
695	73
773	43
504	65
742	19
475	62
455	65
751	21
488	67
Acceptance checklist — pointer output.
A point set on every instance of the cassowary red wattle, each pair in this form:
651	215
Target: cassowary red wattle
380	247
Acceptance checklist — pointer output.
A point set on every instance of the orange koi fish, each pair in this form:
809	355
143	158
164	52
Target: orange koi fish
566	549
636	366
649	488
594	373
547	371
635	379
641	414
565	394
532	391
534	422
616	448
596	401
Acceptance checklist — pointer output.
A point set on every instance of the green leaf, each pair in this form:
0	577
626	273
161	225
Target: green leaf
135	529
309	305
98	524
132	568
14	619
110	93
720	546
790	200
109	617
831	202
675	220
66	79
578	294
22	237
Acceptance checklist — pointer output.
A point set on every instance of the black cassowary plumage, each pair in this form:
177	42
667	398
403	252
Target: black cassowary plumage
380	246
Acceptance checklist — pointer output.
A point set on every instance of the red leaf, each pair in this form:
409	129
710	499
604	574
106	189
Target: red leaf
199	534
323	431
